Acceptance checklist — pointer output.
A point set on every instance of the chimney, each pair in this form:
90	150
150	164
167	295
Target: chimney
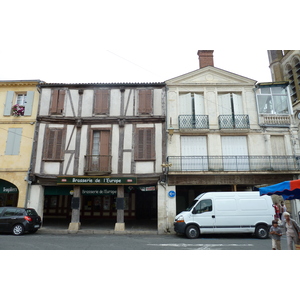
206	58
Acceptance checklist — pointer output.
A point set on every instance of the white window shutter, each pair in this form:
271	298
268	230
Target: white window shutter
8	103
29	102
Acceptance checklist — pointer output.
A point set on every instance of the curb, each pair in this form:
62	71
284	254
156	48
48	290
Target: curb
94	231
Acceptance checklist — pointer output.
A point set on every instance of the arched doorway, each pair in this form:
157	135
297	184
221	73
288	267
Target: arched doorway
8	193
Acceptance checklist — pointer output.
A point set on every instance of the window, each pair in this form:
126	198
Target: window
15	100
145	102
145	144
273	100
230	104
203	206
13	141
101	103
99	159
9	212
57	102
21	99
54	143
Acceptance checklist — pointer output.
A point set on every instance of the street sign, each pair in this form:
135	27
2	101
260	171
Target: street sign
172	194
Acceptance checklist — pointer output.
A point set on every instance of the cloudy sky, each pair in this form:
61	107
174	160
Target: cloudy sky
133	41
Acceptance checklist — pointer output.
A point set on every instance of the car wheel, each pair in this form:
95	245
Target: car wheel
261	232
18	229
192	232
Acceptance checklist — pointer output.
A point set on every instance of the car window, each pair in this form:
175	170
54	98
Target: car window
31	212
203	206
19	212
1	210
9	212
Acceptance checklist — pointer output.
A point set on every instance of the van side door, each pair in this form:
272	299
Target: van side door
204	216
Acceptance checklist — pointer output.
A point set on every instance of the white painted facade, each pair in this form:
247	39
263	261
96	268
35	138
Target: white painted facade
209	157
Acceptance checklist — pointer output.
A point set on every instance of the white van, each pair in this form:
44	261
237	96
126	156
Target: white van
227	212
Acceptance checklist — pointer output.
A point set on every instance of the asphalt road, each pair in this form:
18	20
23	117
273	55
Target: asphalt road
40	241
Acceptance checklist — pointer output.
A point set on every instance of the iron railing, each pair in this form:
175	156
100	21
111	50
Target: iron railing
97	164
193	122
234	122
233	163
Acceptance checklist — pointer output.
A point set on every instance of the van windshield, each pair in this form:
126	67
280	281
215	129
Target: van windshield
191	206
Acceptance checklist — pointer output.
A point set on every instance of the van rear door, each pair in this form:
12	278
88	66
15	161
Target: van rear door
204	216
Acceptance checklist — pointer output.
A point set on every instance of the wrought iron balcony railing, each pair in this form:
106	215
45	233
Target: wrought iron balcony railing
234	122
97	164
193	122
233	163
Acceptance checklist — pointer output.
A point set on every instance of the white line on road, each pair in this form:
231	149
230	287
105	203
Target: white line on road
201	245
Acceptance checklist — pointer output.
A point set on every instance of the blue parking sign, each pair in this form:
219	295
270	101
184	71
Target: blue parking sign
172	194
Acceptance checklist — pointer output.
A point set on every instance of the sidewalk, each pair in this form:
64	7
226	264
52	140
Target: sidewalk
60	226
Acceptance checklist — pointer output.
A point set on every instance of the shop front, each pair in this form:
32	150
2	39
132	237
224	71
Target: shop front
97	199
8	193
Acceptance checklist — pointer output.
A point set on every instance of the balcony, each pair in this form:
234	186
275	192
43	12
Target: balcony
234	122
97	164
275	120
193	122
233	163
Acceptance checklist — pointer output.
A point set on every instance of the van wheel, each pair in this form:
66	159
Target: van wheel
261	232
192	232
18	229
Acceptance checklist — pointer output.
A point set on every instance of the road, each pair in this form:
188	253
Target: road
41	241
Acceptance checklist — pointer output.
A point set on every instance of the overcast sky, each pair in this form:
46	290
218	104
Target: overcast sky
133	41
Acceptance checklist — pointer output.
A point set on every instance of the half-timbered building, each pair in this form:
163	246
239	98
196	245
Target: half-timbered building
98	152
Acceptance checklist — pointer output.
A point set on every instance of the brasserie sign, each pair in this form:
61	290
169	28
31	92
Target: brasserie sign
92	180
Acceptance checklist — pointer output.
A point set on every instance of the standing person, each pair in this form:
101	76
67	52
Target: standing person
292	230
282	209
276	216
276	234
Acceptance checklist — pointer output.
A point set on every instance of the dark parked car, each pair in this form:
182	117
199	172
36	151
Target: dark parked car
19	220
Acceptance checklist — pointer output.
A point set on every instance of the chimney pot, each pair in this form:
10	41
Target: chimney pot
206	58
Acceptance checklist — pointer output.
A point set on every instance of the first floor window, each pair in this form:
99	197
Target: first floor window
54	139
145	144
13	141
21	99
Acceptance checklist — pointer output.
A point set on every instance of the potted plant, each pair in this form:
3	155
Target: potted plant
18	110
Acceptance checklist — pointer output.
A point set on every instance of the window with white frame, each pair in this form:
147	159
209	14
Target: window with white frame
21	99
273	100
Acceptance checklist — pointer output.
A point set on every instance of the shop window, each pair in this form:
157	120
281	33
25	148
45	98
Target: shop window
145	144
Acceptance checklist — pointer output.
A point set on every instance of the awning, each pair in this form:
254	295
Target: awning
7	187
287	189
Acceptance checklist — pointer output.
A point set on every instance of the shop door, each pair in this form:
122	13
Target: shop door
194	153
145	206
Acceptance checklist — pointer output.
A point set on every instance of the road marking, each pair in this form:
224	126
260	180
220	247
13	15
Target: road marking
201	245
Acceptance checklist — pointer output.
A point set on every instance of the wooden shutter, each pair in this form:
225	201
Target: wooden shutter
13	141
61	101
8	103
58	100
145	144
104	151
29	102
54	139
145	102
102	101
